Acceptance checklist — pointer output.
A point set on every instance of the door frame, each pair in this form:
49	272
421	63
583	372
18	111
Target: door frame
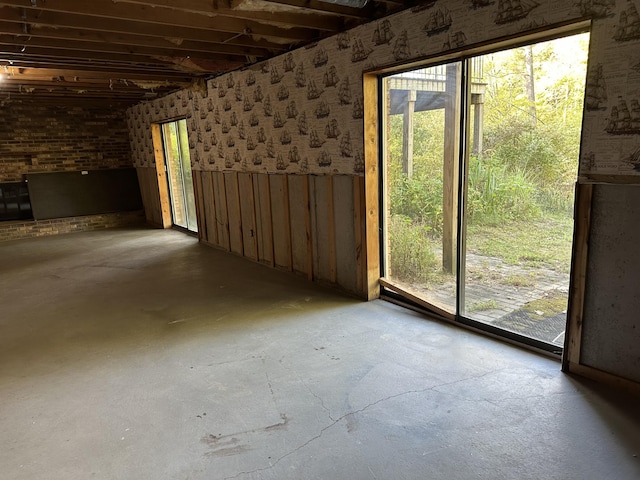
377	286
161	175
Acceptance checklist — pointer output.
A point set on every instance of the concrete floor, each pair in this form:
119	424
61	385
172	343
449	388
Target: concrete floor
140	354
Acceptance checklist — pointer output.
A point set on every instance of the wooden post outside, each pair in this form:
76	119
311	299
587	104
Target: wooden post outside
478	125
450	169
407	134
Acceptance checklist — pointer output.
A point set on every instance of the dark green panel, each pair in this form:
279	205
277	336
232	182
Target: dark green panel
71	194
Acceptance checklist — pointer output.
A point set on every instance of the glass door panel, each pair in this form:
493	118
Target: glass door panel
521	172
421	178
179	176
512	123
190	200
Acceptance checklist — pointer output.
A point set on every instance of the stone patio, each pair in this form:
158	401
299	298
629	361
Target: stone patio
496	293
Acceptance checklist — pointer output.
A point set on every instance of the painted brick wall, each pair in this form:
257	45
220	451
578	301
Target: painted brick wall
56	139
19	229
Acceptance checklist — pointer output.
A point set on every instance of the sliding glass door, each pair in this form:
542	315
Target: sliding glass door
422	176
479	163
179	177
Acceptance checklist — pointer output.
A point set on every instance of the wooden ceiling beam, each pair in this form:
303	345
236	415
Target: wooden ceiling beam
108	86
277	16
15	85
66	103
329	8
62	87
153	30
39	61
93	75
133	43
164	16
104	52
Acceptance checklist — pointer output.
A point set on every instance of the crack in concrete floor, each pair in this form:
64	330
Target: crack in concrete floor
335	421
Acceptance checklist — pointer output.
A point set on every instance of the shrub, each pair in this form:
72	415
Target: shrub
412	257
419	198
497	193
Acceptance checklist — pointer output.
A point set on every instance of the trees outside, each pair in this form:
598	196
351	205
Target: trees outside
528	165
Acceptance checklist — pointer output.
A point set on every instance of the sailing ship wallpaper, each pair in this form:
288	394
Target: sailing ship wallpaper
304	110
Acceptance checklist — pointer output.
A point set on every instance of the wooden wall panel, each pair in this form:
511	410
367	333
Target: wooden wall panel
359	216
234	216
312	225
345	241
209	201
248	214
299	217
222	219
281	221
200	212
150	199
320	219
262	194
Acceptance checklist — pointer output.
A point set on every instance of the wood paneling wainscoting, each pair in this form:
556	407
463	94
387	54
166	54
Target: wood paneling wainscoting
306	224
156	209
312	225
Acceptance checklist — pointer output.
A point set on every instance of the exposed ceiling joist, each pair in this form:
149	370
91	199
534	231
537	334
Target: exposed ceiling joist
164	48
163	16
84	25
266	11
333	8
128	50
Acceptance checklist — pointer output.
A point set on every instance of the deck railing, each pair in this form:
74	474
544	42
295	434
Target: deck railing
439	72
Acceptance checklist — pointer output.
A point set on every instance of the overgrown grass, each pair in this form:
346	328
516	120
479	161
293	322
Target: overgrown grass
498	192
412	254
544	242
483	306
553	303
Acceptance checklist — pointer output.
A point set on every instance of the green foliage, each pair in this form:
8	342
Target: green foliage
523	180
419	198
498	193
412	258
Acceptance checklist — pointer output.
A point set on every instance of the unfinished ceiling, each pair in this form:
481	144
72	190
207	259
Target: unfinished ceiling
124	51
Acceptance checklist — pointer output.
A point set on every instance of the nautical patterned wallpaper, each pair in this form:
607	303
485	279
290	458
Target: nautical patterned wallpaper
302	112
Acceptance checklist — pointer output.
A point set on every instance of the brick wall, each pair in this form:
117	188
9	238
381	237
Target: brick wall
57	138
26	229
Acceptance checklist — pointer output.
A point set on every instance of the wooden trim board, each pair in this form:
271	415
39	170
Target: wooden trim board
577	283
372	234
414	297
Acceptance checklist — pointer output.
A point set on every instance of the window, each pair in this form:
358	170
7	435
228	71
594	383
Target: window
480	158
